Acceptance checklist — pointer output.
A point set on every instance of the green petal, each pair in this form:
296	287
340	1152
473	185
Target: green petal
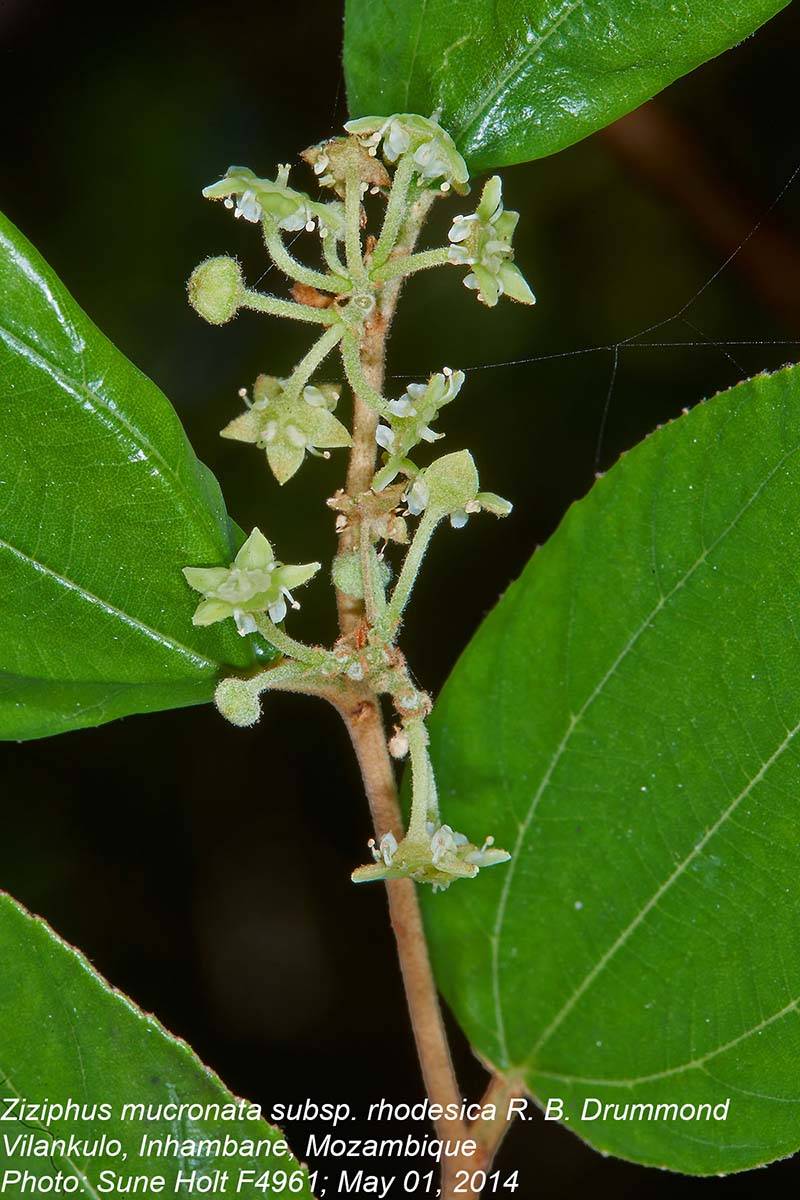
246	428
284	459
491	502
505	225
267	387
209	611
322	429
488	285
490	198
256	553
515	284
205	579
290	577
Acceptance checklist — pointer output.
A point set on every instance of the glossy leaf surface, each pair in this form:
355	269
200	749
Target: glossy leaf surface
65	1035
519	79
102	502
626	723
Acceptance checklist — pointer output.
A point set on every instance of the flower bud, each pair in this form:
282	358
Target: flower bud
216	289
348	576
236	702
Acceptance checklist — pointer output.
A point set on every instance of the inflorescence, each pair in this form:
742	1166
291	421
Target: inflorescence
405	161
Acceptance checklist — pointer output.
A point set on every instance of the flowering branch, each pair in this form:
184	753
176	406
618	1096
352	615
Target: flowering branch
292	418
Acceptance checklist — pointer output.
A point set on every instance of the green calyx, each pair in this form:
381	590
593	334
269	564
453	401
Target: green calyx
258	199
253	583
438	857
288	425
482	241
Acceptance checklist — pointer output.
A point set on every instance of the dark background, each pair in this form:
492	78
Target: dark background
204	870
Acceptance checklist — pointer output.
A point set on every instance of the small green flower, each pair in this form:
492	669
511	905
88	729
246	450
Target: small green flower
254	583
431	147
410	419
258	199
288	426
449	488
482	241
439	858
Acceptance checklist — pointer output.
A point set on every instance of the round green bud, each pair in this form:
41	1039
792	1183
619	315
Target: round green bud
348	577
216	289
235	700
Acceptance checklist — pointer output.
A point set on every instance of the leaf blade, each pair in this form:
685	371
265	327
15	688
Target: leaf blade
626	720
534	77
76	1038
102	502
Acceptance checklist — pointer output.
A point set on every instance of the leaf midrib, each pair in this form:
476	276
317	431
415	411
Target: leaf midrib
156	635
77	388
489	99
696	1064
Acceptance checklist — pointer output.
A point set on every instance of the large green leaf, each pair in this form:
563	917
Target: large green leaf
102	502
65	1035
626	723
519	79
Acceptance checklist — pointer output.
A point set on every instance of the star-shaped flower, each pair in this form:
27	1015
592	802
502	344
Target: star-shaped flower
288	426
410	419
258	199
253	583
439	858
449	488
482	241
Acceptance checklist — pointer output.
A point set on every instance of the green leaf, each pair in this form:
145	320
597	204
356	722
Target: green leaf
66	1035
102	502
626	723
519	79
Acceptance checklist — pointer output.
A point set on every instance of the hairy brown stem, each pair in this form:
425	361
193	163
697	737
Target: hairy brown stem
489	1134
363	718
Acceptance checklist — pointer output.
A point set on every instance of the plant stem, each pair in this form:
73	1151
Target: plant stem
286	308
489	1134
365	725
295	270
423	801
310	655
309	363
331	254
351	360
363	718
407	264
352	216
411	566
396	210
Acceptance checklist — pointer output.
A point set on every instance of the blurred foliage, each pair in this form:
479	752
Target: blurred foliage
112	127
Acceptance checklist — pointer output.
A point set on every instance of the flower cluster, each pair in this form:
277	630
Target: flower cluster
482	241
253	583
258	199
329	162
438	858
432	150
406	160
409	423
288	426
